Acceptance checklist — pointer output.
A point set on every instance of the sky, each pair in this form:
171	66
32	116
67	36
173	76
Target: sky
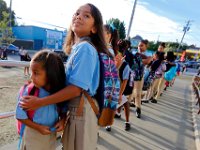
155	20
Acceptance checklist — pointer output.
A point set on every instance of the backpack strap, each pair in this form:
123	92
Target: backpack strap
92	104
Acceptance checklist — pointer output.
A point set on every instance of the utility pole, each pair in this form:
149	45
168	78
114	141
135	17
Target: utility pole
185	29
10	16
131	19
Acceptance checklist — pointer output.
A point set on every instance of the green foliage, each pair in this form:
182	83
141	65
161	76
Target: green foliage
120	26
153	46
4	8
5	31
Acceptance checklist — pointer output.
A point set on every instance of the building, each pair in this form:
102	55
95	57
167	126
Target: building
135	40
33	37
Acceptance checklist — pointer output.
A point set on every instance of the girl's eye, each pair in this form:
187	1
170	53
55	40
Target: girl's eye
86	16
76	14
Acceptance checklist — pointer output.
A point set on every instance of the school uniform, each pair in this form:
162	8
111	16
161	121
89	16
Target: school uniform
82	70
47	116
124	74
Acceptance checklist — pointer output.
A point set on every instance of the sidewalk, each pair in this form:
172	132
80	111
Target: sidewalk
167	125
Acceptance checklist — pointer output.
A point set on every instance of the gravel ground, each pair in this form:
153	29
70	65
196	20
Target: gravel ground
11	79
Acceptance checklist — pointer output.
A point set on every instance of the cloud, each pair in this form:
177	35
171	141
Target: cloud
145	23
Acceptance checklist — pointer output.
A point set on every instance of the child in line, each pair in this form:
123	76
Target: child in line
82	73
48	75
111	38
124	74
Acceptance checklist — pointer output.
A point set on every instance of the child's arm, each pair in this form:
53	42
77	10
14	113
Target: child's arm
42	129
122	88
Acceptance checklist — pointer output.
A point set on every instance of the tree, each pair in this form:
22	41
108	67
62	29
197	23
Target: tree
120	26
4	8
6	36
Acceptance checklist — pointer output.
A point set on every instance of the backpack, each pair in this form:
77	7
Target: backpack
148	79
129	86
32	90
137	67
169	75
159	71
107	95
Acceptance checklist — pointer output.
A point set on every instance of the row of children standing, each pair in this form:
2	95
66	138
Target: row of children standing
62	91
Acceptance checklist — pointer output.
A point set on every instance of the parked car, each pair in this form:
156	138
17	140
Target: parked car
12	49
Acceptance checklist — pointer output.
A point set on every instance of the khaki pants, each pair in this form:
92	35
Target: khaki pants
153	88
137	92
33	140
80	132
160	87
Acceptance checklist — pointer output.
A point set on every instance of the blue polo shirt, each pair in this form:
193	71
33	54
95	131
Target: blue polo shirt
46	115
82	68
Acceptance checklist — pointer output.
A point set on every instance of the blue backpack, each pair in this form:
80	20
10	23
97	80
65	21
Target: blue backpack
169	75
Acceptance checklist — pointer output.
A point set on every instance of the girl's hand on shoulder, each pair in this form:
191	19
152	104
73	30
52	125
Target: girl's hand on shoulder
60	125
43	129
30	103
119	60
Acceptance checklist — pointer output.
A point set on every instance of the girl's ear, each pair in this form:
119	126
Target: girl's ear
94	30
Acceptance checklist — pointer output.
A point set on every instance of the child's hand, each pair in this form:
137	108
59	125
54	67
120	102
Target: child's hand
119	60
120	99
43	129
60	125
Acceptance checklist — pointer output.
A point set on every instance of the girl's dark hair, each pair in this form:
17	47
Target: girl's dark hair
170	56
97	39
161	55
146	42
114	36
122	44
128	44
162	44
54	67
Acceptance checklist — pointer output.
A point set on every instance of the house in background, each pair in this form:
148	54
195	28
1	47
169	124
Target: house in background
135	40
33	37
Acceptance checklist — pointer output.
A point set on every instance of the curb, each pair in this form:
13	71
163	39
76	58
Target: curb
195	116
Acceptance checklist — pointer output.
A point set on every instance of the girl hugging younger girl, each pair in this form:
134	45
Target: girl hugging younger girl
48	77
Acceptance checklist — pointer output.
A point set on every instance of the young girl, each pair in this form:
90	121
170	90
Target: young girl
48	75
124	74
157	69
82	73
111	38
139	80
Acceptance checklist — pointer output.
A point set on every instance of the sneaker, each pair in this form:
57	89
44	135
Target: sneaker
145	101
132	104
127	126
138	112
154	101
117	115
108	128
165	88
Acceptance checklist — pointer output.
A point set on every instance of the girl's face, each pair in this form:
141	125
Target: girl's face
142	47
160	48
107	35
38	75
83	22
